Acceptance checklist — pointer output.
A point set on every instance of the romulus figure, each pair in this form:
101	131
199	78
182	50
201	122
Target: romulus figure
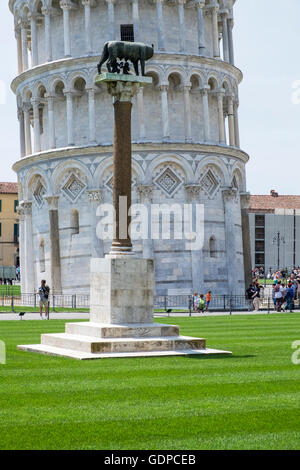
124	50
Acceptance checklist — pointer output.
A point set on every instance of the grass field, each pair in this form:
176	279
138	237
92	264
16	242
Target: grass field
9	290
248	401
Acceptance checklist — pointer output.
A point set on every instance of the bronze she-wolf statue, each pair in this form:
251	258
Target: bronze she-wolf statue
134	51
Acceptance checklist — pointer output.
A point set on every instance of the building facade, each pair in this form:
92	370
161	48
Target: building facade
185	133
9	230
275	231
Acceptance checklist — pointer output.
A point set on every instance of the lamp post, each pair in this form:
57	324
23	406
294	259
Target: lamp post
279	240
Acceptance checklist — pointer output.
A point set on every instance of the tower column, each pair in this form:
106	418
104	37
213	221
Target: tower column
66	7
222	134
236	124
201	42
181	4
37	127
19	50
140	100
165	111
51	124
229	197
28	145
224	15
160	25
87	24
136	19
55	261
230	40
231	121
214	13
28	243
111	19
187	113
69	97
92	120
34	40
48	47
95	199
205	106
22	132
145	195
24	39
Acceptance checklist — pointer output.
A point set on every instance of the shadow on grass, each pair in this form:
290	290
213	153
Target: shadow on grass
220	356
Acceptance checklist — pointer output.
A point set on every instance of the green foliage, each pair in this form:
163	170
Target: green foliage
248	401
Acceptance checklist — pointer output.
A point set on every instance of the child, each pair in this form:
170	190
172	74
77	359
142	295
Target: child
201	304
208	299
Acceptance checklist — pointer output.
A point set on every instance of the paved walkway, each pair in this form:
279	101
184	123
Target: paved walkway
85	316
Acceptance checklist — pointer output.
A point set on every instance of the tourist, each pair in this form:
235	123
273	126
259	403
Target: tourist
201	304
249	296
278	291
196	301
289	297
256	297
43	292
207	299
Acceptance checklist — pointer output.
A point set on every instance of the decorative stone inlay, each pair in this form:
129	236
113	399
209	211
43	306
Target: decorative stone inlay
38	194
168	182
73	188
109	183
210	183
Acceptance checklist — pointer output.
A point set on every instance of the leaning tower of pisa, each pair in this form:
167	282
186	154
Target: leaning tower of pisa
185	136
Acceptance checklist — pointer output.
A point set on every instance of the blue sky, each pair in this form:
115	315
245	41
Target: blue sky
267	39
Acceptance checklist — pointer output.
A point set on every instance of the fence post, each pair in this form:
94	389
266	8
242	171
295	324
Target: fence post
53	303
166	303
12	304
75	301
230	304
224	299
268	304
34	300
190	305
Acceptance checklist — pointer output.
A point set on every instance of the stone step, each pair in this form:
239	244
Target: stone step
80	355
102	330
91	344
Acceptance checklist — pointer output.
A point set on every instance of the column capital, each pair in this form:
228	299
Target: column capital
95	195
25	207
67	5
224	13
123	91
47	11
229	193
193	191
187	88
52	202
181	2
21	213
204	90
145	191
24	24
163	87
245	200
200	3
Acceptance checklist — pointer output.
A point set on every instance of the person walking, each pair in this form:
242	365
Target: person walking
249	295
278	292
256	297
289	297
207	300
44	292
201	304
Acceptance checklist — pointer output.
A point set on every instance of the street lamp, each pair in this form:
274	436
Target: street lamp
279	240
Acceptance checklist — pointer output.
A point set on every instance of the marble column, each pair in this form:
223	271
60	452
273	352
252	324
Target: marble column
111	19
55	261
165	111
140	101
22	132
48	46
19	50
201	40
160	25
24	38
229	198
69	100
87	25
136	19
224	15
222	133
230	40
34	40
145	197
204	93
236	124
95	199
215	26
193	192
181	4
22	251
92	116
37	127
66	7
187	113
51	124
245	199
28	146
231	122
30	287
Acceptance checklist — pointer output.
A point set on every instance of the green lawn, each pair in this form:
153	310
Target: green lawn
9	290
248	401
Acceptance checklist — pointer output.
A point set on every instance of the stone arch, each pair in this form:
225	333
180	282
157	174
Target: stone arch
105	170
36	186
226	85
157	74
39	90
238	172
75	77
198	75
27	94
217	165
36	6
56	80
213	82
24	11
64	171
178	160
177	71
